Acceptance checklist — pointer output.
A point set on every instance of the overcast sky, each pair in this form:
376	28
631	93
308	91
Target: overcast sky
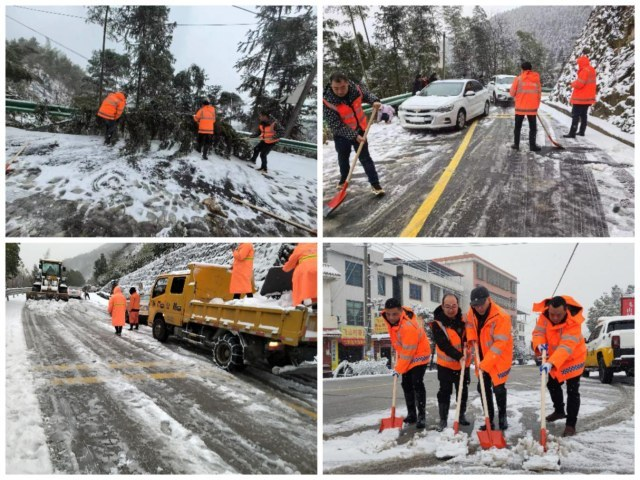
213	48
30	253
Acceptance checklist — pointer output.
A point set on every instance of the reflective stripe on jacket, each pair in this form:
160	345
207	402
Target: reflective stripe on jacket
584	87
495	342
567	347
268	133
304	259
527	91
206	119
409	340
456	342
351	115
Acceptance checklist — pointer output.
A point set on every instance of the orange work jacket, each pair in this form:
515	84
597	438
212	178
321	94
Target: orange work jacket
351	115
584	87
304	259
409	340
117	307
527	91
495	342
206	119
456	342
567	348
268	133
112	106
242	270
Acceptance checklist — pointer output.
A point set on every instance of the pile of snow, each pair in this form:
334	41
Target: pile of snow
534	456
451	445
362	367
608	40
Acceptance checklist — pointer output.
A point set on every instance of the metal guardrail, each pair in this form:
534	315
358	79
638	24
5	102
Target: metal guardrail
393	101
24	106
286	142
10	292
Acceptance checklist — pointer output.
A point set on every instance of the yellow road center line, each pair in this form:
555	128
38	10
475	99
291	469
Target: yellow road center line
420	217
85	366
302	410
134	377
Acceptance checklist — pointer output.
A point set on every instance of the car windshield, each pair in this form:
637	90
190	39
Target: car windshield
505	80
620	325
442	89
51	268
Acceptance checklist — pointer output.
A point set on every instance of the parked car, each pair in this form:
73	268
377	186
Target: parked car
498	88
611	348
75	292
444	103
143	315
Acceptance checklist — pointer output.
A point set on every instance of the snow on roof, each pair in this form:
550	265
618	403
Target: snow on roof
329	271
380	336
616	317
331	333
179	272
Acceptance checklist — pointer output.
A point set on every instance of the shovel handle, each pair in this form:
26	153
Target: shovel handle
482	390
463	369
543	382
361	146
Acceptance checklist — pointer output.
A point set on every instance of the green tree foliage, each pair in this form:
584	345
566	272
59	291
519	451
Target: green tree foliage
12	258
230	105
607	305
116	69
100	267
75	278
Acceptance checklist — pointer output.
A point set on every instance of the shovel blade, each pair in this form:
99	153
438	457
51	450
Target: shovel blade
335	201
543	438
456	427
491	438
391	422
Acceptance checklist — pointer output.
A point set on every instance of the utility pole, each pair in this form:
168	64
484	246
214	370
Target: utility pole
303	96
104	41
444	50
367	301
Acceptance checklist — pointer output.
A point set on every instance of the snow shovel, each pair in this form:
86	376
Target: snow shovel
392	421
456	424
489	438
546	130
340	196
543	418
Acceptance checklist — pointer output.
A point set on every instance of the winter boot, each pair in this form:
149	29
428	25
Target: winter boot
483	427
377	189
515	146
411	417
421	400
443	410
136	326
569	431
501	400
130	327
534	148
422	421
556	415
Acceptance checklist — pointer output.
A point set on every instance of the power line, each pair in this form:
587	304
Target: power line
565	270
212	24
52	13
48	38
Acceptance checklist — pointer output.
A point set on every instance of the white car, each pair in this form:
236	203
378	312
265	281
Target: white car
499	87
444	103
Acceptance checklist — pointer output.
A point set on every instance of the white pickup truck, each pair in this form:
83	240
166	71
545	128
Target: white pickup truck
610	347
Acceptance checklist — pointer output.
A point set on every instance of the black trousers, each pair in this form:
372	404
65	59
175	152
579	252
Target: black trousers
415	395
110	131
263	150
236	296
500	392
573	398
579	114
344	147
533	129
118	329
448	378
204	143
86	296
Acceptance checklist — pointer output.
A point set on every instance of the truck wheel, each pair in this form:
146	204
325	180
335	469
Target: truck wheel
585	373
160	330
228	353
605	373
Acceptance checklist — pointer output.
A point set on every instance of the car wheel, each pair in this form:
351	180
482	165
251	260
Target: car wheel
604	373
461	120
486	109
160	332
228	353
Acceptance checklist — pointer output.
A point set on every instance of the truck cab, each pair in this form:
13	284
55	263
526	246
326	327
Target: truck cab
610	347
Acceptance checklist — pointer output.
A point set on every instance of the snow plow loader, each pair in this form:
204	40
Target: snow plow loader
194	306
49	284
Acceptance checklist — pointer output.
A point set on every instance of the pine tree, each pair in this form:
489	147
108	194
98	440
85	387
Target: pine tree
391	21
12	258
607	305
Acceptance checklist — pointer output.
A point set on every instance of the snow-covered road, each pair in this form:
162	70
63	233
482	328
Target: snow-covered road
354	407
73	185
584	190
81	400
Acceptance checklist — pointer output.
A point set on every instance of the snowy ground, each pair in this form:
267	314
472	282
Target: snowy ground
80	400
95	191
586	190
352	444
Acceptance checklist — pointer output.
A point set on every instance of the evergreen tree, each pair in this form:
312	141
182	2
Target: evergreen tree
12	258
607	305
116	69
100	267
391	22
421	37
75	278
530	50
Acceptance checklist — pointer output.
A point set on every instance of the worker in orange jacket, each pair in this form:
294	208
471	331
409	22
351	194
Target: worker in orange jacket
558	331
304	263
110	111
583	96
206	120
449	334
345	116
269	132
490	326
411	344
117	308
134	308
527	92
242	271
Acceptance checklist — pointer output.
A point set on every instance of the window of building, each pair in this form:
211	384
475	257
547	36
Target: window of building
355	314
415	292
436	293
382	285
353	273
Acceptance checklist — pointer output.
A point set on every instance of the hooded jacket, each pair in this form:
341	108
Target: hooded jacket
242	270
527	91
584	87
409	340
206	119
567	348
112	106
331	115
304	259
117	307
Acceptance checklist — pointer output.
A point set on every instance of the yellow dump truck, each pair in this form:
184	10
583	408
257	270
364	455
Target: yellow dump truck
191	305
49	283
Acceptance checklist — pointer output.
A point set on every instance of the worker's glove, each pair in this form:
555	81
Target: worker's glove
546	368
395	374
543	348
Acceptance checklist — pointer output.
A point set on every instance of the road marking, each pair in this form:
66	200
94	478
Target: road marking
85	366
500	115
133	377
420	217
302	410
368	387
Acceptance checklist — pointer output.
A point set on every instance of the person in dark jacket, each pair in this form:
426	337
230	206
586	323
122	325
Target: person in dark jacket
417	84
449	334
343	112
